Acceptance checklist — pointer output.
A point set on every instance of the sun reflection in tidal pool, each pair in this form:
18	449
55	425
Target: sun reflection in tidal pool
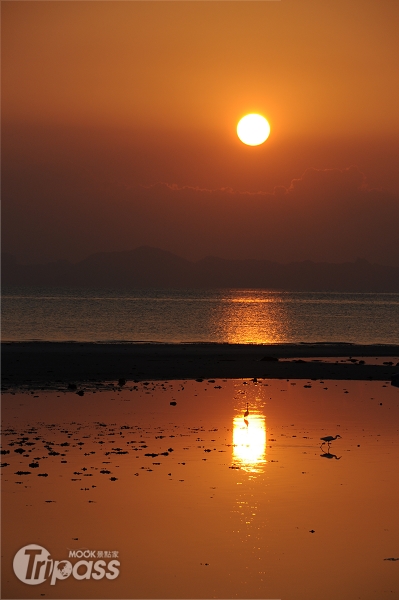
249	442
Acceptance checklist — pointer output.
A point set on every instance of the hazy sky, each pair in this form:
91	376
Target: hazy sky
118	128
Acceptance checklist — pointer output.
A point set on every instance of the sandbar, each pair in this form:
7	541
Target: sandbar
53	365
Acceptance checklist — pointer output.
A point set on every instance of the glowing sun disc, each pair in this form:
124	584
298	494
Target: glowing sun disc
253	130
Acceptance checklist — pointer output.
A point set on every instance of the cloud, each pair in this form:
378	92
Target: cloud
174	187
313	182
329	181
327	215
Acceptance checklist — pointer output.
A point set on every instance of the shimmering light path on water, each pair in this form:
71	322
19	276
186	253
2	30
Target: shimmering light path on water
234	316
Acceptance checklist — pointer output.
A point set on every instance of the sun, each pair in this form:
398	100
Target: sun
253	130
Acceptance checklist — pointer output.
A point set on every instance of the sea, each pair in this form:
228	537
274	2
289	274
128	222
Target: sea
247	316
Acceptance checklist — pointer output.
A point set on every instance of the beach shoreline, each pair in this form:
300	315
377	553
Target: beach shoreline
54	365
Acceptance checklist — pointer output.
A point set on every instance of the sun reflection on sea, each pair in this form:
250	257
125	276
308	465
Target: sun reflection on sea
254	317
249	442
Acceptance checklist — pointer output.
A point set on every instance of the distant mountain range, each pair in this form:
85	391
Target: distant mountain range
147	267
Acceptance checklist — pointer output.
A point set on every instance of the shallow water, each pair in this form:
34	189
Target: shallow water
208	502
234	316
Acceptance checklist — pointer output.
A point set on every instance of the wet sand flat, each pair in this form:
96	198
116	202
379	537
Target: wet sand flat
225	493
52	364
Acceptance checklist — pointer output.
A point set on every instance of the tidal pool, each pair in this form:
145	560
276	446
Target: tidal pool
228	493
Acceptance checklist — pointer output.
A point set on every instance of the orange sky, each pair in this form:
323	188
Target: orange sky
102	98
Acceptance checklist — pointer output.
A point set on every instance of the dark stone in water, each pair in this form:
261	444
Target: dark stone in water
395	380
173	403
393	559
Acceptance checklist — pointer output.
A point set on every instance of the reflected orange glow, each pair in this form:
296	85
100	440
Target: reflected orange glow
185	507
255	317
249	442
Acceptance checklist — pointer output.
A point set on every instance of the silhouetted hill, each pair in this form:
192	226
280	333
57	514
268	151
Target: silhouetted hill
147	267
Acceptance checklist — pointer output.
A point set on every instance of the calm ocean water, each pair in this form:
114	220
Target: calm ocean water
232	315
235	316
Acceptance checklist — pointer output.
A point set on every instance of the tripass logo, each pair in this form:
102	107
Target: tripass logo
33	565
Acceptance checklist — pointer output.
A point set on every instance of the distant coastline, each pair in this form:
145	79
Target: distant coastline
147	267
